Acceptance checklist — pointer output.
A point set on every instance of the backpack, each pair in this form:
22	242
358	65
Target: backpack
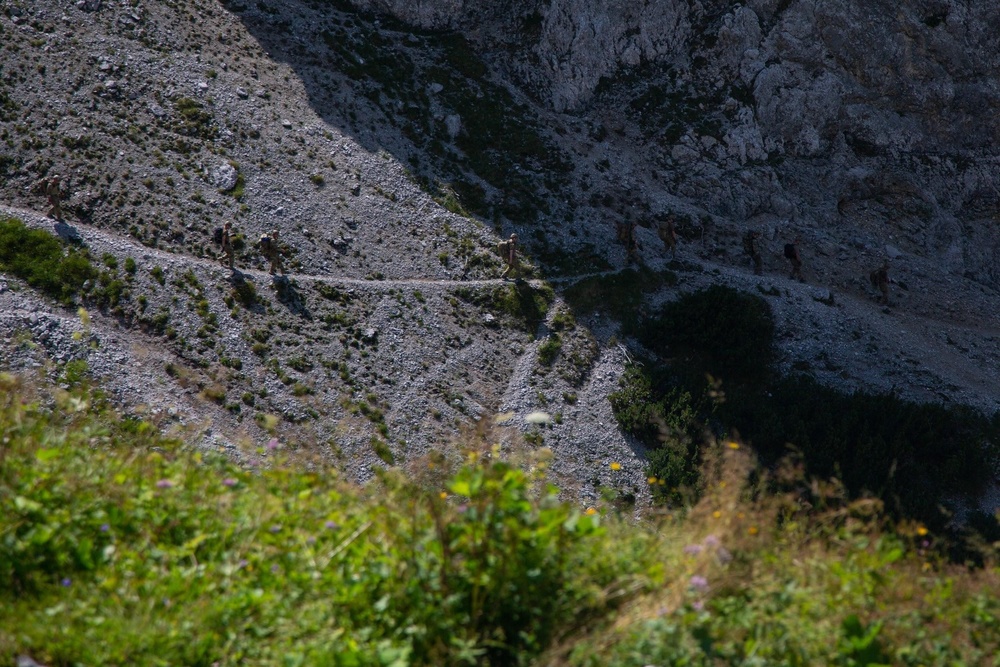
217	235
790	250
265	244
504	249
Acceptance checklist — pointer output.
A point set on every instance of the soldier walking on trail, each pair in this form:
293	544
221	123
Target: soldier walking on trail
795	257
508	251
668	234
53	190
621	232
880	280
269	248
631	243
751	243
227	244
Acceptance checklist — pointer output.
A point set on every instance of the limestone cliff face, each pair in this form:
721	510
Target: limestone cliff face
821	113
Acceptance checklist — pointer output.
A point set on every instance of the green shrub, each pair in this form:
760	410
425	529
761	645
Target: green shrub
549	349
669	426
719	330
289	563
911	455
118	546
43	261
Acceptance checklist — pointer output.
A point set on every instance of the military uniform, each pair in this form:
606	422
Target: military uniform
269	246
668	234
631	244
880	279
793	255
750	244
227	245
53	190
509	250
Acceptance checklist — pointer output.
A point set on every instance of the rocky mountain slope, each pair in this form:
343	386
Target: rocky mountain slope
393	144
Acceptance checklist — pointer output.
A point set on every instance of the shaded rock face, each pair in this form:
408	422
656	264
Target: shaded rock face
814	113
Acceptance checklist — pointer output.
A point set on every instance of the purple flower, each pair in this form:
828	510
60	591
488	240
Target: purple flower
723	555
310	540
164	484
699	605
243	562
692	549
66	581
276	528
275	569
272	444
699	583
229	481
711	542
332	525
105	527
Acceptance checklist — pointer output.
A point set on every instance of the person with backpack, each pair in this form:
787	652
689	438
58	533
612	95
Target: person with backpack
751	245
793	255
223	237
880	280
269	248
632	246
53	191
667	232
508	252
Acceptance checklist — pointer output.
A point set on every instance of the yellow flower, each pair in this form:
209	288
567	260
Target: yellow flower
716	514
651	480
443	495
921	531
615	465
590	511
733	445
752	530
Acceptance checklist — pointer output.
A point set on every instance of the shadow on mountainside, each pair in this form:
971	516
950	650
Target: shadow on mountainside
424	97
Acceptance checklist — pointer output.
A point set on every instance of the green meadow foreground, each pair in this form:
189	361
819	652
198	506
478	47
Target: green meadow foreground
119	546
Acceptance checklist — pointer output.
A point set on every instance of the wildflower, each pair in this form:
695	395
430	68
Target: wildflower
443	495
164	484
733	445
276	528
716	514
590	511
66	581
699	583
331	525
229	481
272	444
105	527
615	465
723	555
651	480
699	605
692	549
310	540
752	530
921	531
275	569
711	541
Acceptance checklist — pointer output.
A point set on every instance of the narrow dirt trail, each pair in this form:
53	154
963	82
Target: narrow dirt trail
90	235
